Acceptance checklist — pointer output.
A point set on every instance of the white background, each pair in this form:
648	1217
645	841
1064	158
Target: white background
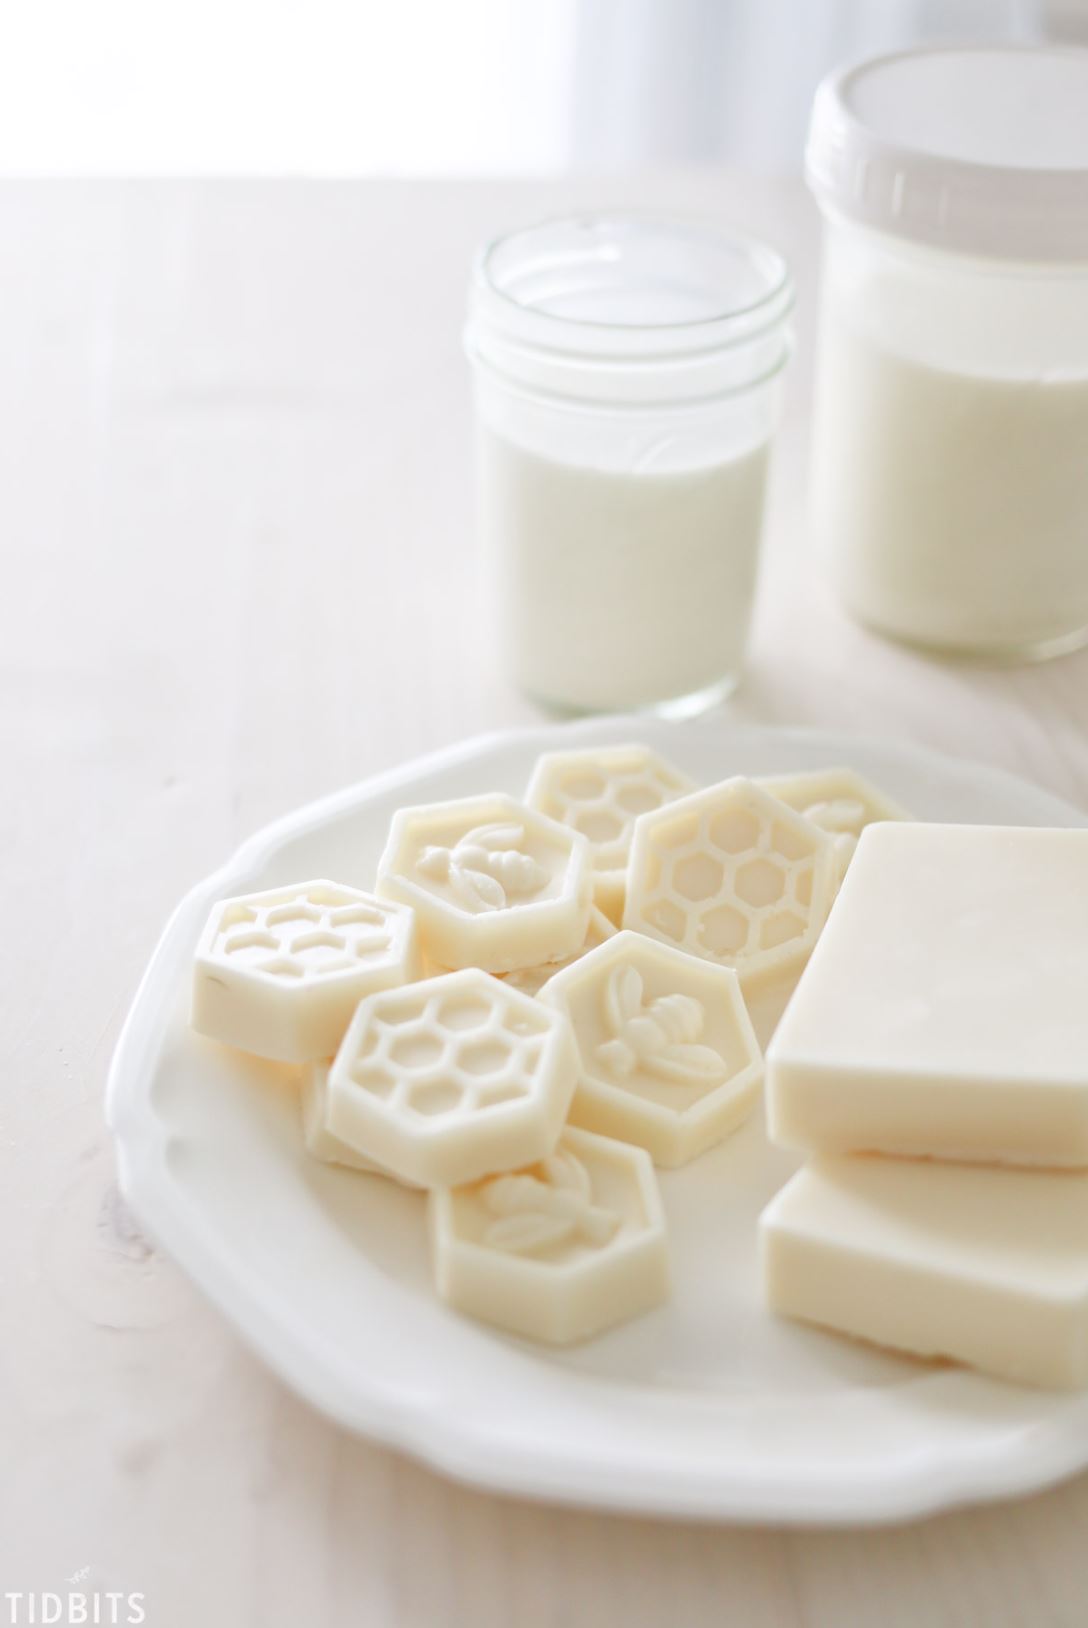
404	87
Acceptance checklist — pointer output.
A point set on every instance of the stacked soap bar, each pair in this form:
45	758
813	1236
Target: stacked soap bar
987	1266
944	1011
942	1017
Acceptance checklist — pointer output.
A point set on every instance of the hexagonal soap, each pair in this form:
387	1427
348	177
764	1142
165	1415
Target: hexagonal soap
669	1059
280	973
531	980
558	1251
840	801
731	874
451	1079
320	1142
493	883
600	791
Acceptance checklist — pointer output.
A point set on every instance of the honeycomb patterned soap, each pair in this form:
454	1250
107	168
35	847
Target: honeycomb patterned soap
451	1079
494	884
600	791
840	801
558	1251
668	1057
319	1141
280	973
734	875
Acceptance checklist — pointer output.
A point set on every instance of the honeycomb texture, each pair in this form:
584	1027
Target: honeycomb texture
731	874
279	973
313	931
493	883
600	792
319	1141
557	1251
452	1078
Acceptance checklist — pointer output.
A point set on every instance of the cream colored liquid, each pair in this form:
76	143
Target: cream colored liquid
952	508
617	590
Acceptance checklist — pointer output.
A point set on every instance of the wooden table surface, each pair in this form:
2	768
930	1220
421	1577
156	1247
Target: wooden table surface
235	512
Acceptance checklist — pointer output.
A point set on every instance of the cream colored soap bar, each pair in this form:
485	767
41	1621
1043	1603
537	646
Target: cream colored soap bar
558	1251
320	1142
840	801
531	980
734	875
493	883
600	791
988	1267
668	1057
945	1008
452	1079
280	973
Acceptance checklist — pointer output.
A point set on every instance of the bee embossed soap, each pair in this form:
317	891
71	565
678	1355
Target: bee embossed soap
558	1251
840	801
667	1055
493	883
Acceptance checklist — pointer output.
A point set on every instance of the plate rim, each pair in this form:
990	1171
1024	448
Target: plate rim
413	1423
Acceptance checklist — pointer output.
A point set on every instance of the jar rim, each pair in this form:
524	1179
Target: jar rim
776	296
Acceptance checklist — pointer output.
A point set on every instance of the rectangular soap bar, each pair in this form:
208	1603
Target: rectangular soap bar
944	1010
988	1267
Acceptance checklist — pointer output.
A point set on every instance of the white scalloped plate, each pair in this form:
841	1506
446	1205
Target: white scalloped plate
707	1408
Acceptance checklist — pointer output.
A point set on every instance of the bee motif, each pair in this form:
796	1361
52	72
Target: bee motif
837	814
843	818
656	1035
540	1212
486	867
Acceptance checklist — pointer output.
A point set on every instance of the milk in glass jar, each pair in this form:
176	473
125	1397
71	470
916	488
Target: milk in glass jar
949	488
628	380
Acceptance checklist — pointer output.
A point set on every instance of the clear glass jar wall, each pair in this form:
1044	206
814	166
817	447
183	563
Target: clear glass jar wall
950	448
628	377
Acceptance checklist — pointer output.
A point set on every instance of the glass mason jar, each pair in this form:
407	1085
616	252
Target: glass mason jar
949	493
627	382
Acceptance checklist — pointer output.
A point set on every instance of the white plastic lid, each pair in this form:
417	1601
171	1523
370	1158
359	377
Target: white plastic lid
976	149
